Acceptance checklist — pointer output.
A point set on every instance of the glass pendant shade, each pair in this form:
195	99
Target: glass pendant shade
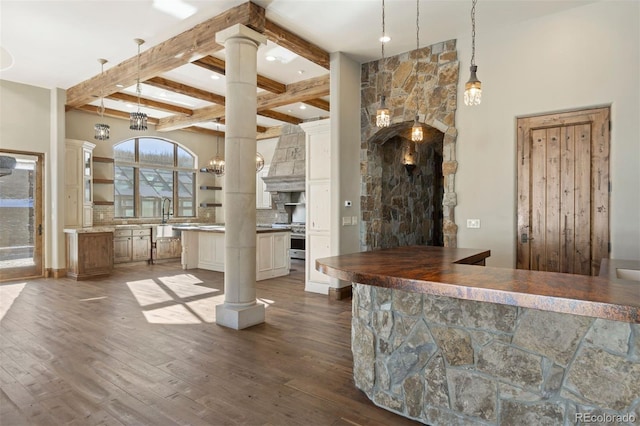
101	132
416	131
138	121
473	89
383	117
259	162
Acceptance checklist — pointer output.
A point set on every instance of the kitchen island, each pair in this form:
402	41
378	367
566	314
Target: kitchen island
441	341
203	247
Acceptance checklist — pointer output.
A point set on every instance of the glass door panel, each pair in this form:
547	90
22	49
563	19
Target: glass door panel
21	212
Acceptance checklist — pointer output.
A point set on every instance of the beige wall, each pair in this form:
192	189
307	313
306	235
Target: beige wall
587	56
25	125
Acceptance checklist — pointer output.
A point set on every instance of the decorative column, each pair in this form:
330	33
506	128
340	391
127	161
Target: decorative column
240	309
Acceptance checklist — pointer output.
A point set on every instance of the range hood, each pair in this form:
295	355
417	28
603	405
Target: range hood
287	170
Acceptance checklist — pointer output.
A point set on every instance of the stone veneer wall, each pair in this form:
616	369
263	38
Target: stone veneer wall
412	204
446	361
436	86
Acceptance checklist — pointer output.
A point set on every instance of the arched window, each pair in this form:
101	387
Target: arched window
147	172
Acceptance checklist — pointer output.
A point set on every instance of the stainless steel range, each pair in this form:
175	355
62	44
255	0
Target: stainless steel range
298	238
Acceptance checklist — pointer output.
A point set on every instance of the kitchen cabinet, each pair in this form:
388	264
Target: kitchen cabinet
168	248
131	245
78	185
89	254
205	249
320	227
263	197
272	255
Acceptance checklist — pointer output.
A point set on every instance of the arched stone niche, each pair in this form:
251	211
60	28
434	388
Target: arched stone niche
431	88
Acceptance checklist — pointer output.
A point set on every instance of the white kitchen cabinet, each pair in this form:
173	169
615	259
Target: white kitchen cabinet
78	185
320	226
263	197
205	250
272	255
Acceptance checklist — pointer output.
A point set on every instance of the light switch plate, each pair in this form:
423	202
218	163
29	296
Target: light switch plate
346	220
473	223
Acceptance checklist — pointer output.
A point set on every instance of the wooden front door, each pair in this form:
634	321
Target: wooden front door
563	191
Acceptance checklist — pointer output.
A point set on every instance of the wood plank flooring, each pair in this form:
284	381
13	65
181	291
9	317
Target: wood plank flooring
141	348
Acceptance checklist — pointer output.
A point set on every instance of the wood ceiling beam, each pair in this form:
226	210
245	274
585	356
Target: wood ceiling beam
280	116
217	65
182	49
113	113
161	106
183	89
301	91
296	92
272	132
319	103
296	44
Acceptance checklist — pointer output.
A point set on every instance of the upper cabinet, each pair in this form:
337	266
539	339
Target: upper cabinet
263	197
78	184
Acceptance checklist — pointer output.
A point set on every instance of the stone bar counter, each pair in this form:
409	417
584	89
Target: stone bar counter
438	339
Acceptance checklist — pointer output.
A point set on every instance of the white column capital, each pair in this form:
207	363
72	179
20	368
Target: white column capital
240	31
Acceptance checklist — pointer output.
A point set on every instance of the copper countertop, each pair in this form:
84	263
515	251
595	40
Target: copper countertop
449	272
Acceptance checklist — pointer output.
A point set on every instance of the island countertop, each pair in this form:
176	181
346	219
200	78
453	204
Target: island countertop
450	272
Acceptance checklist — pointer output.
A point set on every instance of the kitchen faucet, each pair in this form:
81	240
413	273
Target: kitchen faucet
165	218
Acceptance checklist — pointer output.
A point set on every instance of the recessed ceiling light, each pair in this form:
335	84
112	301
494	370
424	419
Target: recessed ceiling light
120	85
303	106
270	58
128	105
385	39
300	72
215	76
289	110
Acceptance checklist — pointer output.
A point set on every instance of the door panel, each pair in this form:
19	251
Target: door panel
563	191
21	227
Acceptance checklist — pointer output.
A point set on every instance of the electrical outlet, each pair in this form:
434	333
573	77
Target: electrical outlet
473	223
354	220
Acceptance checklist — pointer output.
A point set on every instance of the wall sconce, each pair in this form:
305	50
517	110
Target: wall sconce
409	167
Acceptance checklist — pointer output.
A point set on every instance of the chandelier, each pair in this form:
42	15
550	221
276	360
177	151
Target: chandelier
101	130
259	162
138	119
216	164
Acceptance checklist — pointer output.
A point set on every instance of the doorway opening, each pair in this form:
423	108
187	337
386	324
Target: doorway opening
21	212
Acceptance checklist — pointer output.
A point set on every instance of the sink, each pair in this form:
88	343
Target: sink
166	231
628	274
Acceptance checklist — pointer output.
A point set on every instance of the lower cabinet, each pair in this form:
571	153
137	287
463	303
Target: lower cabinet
89	254
205	250
131	245
272	255
168	248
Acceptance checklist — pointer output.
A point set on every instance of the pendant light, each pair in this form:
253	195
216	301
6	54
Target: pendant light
101	130
138	120
416	131
473	87
383	116
259	162
216	164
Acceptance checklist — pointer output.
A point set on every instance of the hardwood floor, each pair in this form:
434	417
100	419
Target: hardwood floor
141	348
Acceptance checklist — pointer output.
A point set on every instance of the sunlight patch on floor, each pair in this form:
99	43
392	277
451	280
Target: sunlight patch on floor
182	299
8	294
148	292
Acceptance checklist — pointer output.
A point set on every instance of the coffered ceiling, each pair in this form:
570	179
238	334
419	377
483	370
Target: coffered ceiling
57	44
